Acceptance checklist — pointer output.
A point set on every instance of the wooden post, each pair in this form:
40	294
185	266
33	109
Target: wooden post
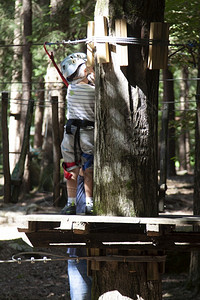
101	48
158	51
93	265
121	50
163	157
5	142
90	46
56	151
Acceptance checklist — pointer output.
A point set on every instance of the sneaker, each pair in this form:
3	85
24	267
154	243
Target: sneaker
69	209
89	210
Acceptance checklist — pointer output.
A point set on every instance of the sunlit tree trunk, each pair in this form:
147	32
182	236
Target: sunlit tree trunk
53	87
21	170
16	94
39	112
125	171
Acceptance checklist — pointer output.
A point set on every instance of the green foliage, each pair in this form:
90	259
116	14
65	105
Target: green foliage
68	22
6	37
183	17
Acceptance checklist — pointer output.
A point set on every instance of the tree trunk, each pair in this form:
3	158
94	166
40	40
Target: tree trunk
39	112
125	171
5	143
15	95
184	145
169	97
27	111
194	272
54	87
56	151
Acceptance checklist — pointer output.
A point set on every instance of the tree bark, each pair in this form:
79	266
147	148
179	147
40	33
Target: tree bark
16	95
194	272
39	112
54	87
5	143
56	151
27	111
125	170
184	148
169	97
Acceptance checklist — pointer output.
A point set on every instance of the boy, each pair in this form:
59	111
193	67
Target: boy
78	142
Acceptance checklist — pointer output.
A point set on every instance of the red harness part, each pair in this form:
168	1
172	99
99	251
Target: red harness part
51	56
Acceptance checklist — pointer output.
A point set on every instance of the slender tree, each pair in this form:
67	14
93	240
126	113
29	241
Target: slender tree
16	94
27	111
169	97
39	112
184	150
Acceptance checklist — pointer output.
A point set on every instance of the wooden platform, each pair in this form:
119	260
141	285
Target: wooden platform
107	232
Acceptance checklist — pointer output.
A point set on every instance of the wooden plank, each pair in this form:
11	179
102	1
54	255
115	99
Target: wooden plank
90	46
158	52
153	229
95	265
60	238
121	50
102	49
152	271
35	226
81	228
109	238
67	221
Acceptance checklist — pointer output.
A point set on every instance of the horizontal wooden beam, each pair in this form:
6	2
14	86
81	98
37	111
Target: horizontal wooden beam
174	241
65	219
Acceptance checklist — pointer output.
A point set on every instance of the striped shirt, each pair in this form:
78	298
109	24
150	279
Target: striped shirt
80	102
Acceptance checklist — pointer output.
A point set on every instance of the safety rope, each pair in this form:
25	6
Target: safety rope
110	39
103	39
17	258
51	56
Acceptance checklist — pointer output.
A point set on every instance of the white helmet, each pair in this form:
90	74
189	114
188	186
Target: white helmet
70	64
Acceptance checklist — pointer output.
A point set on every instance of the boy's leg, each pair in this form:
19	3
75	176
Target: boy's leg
72	184
88	184
70	207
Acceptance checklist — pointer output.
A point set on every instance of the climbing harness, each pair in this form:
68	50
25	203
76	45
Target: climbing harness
79	124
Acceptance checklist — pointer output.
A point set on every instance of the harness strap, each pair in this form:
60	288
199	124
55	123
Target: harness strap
78	123
51	56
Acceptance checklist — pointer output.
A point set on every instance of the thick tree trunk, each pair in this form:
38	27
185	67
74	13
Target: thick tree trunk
194	273
125	171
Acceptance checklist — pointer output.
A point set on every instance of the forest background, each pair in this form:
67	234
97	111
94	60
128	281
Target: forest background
31	83
54	21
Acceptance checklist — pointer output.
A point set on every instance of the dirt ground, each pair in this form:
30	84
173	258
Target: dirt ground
39	280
